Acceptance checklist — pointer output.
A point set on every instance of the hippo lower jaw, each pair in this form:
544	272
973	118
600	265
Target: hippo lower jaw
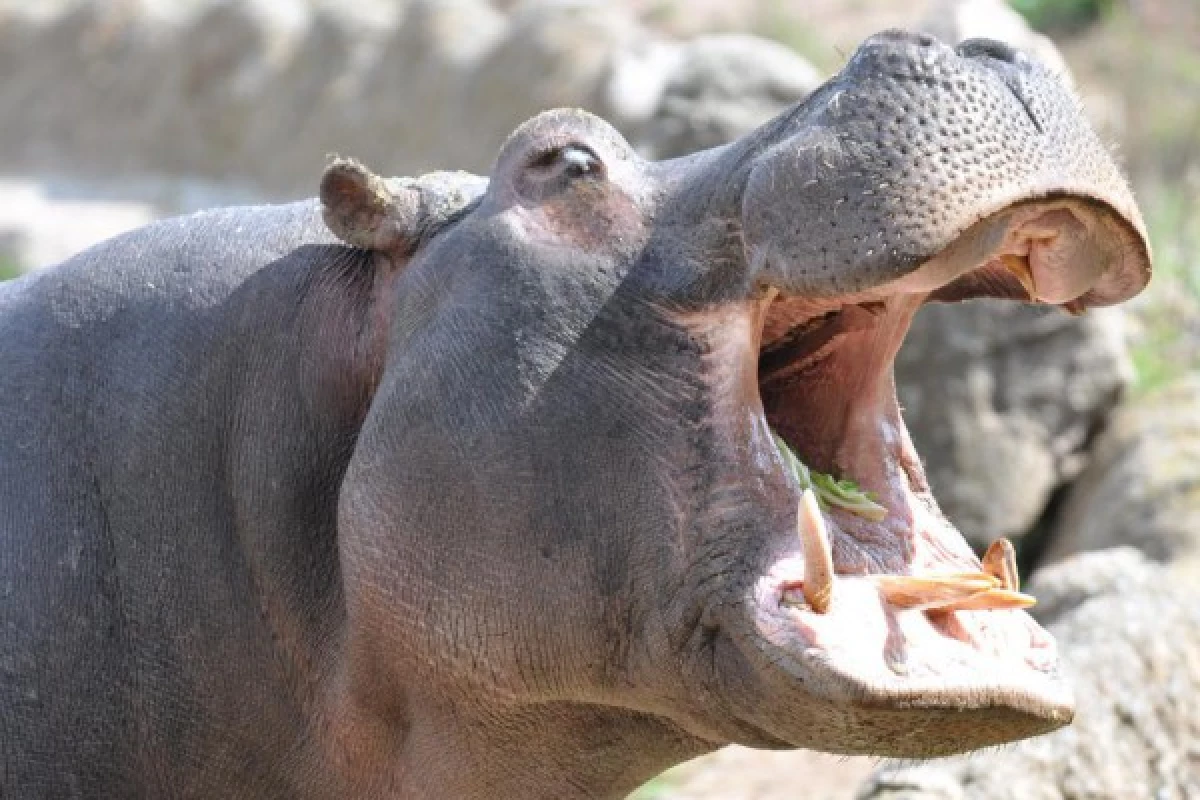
826	384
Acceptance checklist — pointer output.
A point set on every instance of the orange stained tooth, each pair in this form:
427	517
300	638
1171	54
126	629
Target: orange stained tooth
818	556
991	580
992	600
1000	560
1019	267
1075	308
931	591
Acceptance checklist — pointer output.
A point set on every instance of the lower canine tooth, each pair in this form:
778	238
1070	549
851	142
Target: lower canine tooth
1000	560
818	556
992	600
933	591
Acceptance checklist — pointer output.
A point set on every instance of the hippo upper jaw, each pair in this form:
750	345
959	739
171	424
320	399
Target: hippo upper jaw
918	163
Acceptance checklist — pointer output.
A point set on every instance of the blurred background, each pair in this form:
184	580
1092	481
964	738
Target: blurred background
1078	438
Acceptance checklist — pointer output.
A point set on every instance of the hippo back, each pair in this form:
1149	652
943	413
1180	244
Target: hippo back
126	598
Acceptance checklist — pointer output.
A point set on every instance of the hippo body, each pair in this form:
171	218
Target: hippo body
451	487
133	370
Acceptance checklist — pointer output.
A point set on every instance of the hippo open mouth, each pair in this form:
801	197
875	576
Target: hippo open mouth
884	605
920	173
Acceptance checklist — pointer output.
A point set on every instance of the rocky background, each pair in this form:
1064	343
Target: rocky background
1079	438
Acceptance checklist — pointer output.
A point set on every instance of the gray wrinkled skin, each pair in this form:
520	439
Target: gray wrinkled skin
447	487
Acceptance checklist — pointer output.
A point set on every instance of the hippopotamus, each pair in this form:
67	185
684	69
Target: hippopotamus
464	487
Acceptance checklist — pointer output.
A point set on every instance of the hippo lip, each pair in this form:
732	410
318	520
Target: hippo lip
826	384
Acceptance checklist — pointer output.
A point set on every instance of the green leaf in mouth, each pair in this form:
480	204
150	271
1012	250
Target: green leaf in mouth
830	491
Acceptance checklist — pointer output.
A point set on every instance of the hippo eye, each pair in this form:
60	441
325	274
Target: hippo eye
571	161
580	161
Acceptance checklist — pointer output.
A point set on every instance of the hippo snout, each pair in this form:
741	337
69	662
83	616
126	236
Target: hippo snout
918	161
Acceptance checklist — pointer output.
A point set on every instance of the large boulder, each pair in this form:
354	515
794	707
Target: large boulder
259	92
721	87
1002	401
1143	485
1129	633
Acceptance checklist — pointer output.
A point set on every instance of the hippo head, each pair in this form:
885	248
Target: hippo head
567	497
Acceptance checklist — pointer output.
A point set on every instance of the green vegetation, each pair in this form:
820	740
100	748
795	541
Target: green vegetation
778	20
8	268
1167	346
1062	16
1145	73
831	491
656	789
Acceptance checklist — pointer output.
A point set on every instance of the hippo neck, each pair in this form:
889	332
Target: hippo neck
314	334
433	744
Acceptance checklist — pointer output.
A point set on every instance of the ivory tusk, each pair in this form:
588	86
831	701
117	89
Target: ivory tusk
1000	560
818	555
992	600
932	591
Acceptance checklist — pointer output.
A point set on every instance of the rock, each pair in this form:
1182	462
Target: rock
740	773
637	79
722	87
913	783
557	53
1133	650
1143	485
409	109
1002	400
1063	587
259	92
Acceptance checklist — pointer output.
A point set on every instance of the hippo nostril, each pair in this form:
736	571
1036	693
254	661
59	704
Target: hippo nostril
990	48
903	37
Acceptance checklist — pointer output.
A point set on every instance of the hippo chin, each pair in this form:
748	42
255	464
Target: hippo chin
458	487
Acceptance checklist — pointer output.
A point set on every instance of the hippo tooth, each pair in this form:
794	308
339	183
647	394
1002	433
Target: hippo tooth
933	591
818	556
1000	560
991	600
1019	267
1075	308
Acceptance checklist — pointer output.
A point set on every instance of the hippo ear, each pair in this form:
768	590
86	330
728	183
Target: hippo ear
364	210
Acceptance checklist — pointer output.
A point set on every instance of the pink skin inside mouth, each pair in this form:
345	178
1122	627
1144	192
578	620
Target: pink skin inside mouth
827	388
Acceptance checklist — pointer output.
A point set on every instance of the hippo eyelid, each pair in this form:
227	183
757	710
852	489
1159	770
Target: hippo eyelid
578	160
